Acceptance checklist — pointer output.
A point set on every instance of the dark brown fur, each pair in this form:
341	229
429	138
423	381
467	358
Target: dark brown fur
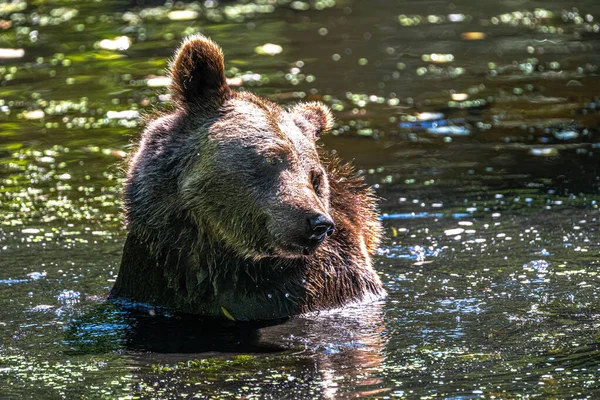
217	199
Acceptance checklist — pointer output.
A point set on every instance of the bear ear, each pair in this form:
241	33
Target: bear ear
313	118
198	74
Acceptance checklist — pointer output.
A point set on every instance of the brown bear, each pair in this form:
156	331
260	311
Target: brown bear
231	211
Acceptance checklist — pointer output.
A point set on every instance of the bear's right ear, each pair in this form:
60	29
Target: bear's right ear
198	74
313	118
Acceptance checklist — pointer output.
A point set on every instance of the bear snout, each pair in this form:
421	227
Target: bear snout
319	227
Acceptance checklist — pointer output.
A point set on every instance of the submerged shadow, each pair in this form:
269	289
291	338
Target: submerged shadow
190	334
113	327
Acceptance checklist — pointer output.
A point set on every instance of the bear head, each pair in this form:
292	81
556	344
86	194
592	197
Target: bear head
256	182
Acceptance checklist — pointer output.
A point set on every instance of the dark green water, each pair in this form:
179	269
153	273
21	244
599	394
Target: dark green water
486	154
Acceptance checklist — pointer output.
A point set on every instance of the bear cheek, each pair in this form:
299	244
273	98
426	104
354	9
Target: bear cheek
280	227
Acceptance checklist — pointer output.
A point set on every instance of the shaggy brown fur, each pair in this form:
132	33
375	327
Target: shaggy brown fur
231	210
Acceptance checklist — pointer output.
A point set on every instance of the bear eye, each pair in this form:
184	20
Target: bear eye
271	161
315	180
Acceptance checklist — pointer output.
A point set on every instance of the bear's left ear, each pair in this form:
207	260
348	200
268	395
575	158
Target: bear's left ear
198	74
313	118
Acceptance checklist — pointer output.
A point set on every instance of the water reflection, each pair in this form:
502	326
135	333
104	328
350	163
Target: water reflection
346	345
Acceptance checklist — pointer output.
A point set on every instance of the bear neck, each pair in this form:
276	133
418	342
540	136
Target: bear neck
203	276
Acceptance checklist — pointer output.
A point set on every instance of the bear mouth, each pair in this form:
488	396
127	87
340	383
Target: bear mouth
297	250
273	245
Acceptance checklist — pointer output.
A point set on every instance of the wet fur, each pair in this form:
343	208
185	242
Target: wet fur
207	233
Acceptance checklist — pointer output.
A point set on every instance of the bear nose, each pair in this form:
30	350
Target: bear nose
320	226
